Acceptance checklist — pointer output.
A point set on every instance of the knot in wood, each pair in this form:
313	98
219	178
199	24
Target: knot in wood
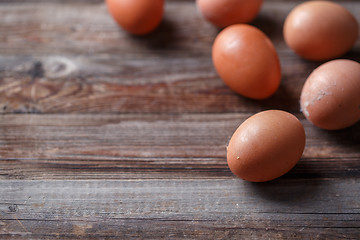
13	208
58	67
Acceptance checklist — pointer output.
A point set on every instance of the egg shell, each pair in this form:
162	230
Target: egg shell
246	60
138	17
223	13
266	146
330	98
320	30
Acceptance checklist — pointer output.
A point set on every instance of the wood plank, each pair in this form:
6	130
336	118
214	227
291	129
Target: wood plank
68	59
148	86
151	146
60	27
180	209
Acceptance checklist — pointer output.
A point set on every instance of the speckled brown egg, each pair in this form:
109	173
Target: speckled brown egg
266	146
320	30
330	98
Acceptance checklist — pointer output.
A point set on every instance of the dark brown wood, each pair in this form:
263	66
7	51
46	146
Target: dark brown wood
66	58
151	146
224	209
107	135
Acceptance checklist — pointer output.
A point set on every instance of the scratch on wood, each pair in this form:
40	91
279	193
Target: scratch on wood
20	223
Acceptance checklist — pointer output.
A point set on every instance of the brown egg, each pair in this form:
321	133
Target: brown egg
266	146
138	17
247	61
223	13
330	98
320	30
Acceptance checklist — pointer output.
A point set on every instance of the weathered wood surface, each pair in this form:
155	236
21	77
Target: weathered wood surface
72	58
107	135
154	209
151	146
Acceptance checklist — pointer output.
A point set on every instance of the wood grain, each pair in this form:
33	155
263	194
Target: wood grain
181	209
151	146
62	58
107	135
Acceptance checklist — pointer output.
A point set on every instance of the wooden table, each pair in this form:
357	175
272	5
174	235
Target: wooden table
103	134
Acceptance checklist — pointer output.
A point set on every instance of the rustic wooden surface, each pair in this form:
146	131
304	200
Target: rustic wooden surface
103	134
